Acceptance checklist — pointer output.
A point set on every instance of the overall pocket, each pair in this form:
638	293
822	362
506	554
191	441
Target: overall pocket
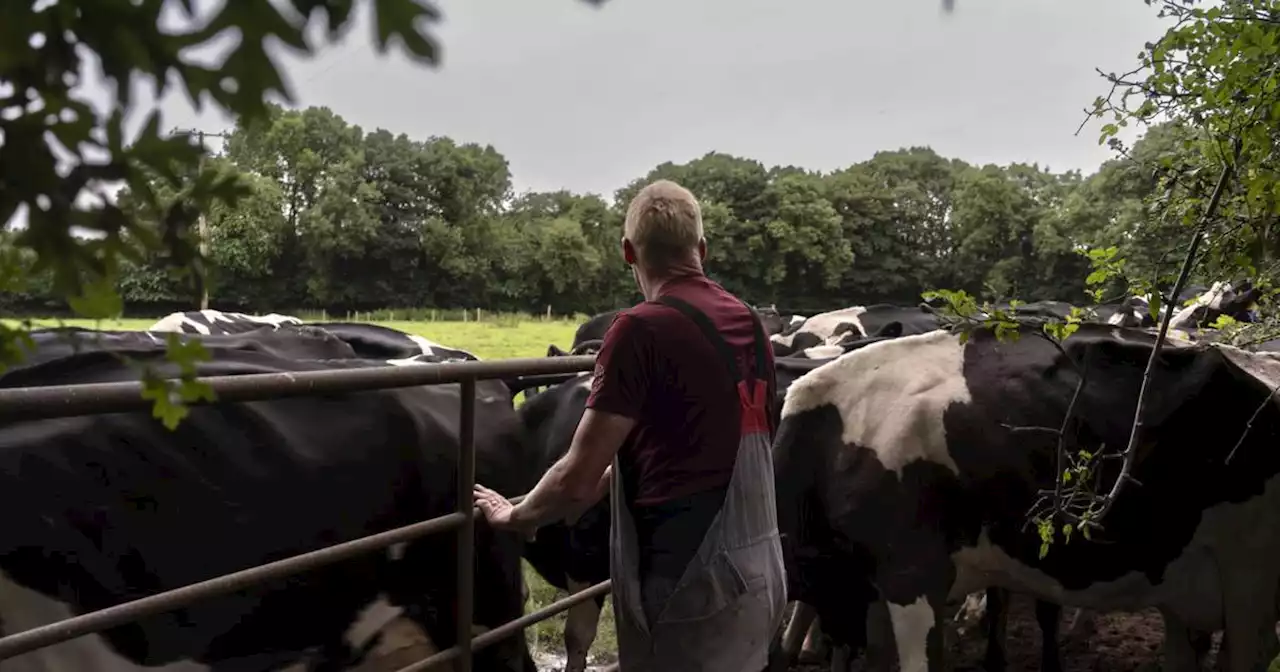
704	592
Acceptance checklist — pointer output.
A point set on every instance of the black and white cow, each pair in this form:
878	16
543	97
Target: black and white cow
219	322
1133	311
828	329
371	341
573	555
104	509
292	342
815	331
1220	299
902	481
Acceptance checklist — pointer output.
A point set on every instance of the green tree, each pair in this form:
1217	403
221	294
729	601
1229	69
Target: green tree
57	147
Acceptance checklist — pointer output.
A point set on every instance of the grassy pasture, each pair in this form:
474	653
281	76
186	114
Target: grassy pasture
500	337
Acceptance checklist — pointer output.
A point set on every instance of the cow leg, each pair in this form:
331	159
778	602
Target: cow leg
580	629
1049	617
841	658
801	619
996	621
915	581
1179	648
880	654
1249	638
815	649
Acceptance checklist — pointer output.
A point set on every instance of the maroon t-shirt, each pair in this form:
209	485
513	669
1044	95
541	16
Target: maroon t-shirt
656	367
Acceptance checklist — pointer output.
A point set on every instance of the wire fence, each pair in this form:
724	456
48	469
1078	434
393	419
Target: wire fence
57	401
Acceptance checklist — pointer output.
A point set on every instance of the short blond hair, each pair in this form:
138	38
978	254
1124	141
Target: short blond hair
664	222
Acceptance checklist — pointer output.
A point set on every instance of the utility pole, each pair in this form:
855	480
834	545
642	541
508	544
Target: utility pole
203	225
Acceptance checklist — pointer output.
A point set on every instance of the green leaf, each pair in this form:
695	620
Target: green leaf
399	18
97	301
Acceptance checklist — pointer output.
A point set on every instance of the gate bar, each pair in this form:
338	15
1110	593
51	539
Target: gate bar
467	531
126	612
61	401
512	627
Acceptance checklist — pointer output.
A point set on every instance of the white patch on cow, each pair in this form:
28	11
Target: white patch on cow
1116	318
22	609
797	319
975	605
891	396
175	321
371	619
403	642
407	361
911	626
276	319
431	348
823	352
216	316
428	346
579	629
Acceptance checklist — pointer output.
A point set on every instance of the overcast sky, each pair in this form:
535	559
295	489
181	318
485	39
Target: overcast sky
588	98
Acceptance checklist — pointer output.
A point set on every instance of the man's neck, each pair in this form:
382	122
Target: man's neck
652	286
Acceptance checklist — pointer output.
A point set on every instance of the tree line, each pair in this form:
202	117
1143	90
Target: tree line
340	219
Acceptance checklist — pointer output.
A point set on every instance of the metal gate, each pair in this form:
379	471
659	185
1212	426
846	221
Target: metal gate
73	400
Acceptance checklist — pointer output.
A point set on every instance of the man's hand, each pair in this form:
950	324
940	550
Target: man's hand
498	511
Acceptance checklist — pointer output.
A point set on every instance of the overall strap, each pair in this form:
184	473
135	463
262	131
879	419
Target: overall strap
713	336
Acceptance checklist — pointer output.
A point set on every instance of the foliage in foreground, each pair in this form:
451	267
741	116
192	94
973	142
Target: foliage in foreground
307	205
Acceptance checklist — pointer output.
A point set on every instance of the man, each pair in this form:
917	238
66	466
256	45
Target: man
679	406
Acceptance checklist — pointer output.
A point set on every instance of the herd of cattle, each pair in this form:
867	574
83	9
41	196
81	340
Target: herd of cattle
903	484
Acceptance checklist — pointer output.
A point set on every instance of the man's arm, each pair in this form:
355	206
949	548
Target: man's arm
579	479
619	389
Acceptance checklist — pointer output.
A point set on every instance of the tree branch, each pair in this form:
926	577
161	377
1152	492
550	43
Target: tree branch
1135	433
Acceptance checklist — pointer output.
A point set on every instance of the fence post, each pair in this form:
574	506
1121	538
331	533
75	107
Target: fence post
467	531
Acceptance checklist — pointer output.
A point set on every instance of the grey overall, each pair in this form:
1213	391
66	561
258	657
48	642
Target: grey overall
725	609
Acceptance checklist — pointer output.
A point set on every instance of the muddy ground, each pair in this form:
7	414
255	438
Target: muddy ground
1095	643
1089	642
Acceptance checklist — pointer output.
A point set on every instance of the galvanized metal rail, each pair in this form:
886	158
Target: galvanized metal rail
58	401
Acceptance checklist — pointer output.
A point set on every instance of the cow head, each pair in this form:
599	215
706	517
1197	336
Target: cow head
584	348
845	328
771	320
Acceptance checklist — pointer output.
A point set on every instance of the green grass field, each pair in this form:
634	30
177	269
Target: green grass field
500	337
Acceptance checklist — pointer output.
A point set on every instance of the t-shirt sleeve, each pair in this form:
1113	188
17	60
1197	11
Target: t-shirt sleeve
621	381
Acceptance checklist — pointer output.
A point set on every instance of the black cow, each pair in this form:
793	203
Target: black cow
570	555
374	341
104	509
594	328
902	480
